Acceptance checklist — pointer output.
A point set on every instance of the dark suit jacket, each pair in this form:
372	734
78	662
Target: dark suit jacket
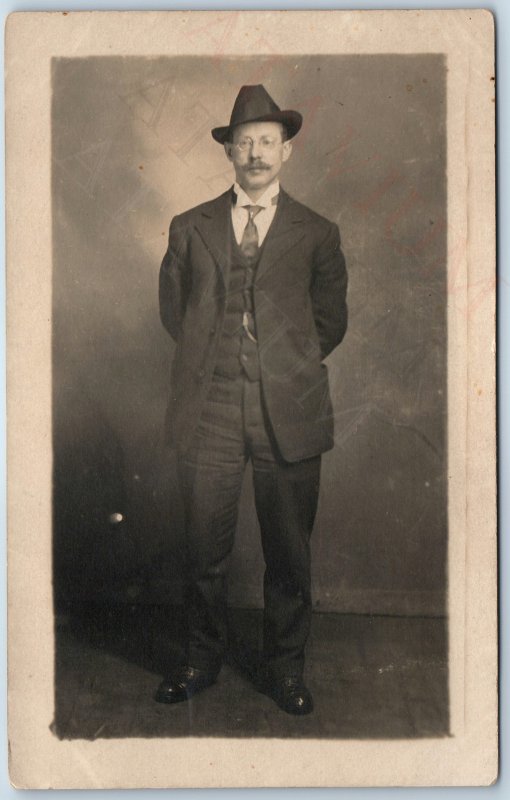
300	310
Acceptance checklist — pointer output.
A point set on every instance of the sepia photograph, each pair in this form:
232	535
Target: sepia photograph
249	446
255	446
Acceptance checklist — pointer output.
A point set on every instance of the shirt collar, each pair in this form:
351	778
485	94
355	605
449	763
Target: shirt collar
265	200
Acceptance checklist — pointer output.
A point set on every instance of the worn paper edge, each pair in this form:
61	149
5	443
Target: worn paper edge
469	756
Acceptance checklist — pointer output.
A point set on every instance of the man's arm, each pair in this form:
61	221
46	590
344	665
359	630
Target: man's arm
174	279
328	292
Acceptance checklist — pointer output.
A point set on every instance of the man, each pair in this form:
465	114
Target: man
252	289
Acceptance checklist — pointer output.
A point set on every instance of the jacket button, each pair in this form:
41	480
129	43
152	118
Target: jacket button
212	331
201	373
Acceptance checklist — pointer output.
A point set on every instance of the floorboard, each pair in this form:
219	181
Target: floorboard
371	677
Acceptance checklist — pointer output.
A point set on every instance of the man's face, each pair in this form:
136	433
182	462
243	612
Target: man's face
257	153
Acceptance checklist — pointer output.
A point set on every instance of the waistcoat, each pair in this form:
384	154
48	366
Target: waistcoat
237	353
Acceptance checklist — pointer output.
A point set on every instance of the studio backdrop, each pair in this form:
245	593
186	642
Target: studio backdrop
131	147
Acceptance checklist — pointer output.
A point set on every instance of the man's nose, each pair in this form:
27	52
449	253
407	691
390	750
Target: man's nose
256	150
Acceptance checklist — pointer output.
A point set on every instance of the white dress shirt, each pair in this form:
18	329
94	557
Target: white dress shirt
262	220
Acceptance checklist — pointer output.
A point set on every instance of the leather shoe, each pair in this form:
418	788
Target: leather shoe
289	693
186	682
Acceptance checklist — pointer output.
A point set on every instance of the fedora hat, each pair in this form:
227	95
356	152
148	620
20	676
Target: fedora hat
254	104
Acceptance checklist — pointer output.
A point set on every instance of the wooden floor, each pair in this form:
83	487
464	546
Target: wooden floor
371	677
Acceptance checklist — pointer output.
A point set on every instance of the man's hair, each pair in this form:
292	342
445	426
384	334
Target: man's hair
283	128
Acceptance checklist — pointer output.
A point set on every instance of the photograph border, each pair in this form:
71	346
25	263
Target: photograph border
470	755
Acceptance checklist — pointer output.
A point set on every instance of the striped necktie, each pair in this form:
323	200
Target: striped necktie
250	240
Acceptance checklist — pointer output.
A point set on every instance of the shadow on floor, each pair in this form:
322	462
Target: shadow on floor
371	677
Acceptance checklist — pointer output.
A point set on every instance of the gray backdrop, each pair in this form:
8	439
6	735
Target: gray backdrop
131	148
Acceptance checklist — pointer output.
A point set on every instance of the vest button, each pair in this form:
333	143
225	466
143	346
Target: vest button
212	331
201	374
244	357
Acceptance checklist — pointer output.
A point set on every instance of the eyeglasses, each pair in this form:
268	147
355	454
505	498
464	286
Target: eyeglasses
265	143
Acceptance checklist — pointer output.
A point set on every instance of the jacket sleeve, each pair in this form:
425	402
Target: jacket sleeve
174	279
328	292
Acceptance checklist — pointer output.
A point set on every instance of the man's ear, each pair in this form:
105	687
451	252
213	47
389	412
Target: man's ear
228	150
287	150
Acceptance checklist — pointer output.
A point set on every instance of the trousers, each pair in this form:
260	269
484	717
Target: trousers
233	429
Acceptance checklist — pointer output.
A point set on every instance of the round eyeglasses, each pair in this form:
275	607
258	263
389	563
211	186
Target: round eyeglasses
265	143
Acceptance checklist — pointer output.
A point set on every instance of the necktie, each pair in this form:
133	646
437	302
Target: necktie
250	240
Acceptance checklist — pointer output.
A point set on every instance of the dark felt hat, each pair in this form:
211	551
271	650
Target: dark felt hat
254	104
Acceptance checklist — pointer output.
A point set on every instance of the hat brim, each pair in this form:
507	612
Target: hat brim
291	119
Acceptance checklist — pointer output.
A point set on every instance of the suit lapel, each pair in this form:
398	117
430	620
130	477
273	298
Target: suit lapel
214	226
286	231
